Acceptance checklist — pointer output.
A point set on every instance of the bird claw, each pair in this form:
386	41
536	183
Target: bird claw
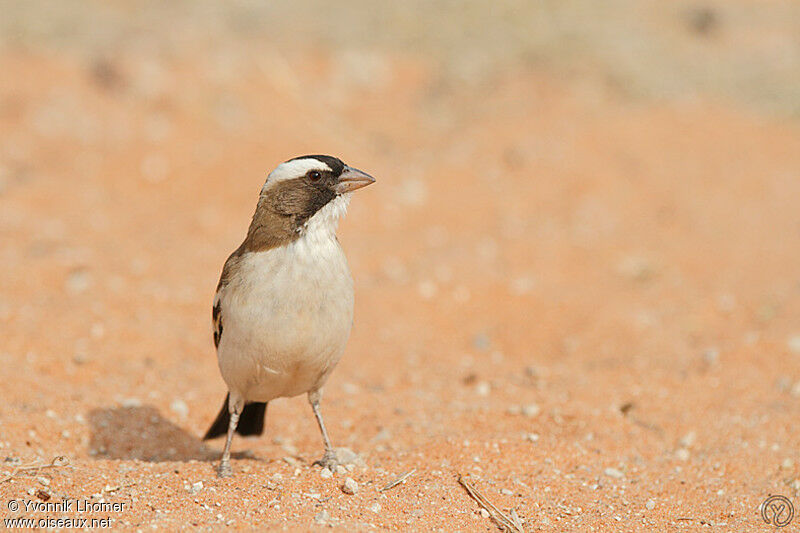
328	460
224	470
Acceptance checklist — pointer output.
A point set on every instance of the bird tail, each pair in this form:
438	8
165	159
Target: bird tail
251	421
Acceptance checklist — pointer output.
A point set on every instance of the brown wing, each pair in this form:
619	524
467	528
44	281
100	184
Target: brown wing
231	265
216	316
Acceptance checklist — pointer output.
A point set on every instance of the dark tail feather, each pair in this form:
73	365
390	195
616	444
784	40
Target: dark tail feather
220	425
251	421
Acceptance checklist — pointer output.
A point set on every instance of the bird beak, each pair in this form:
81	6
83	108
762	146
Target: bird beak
352	179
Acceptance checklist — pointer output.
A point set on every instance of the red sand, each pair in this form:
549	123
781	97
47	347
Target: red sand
589	305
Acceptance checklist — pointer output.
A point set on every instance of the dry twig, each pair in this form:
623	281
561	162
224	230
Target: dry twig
398	481
58	461
514	524
120	487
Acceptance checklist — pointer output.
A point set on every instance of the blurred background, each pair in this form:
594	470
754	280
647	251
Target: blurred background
577	277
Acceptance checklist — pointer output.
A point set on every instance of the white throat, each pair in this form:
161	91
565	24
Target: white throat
323	224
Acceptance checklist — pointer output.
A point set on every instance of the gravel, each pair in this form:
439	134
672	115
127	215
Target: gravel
794	344
180	408
531	410
350	486
322	517
483	389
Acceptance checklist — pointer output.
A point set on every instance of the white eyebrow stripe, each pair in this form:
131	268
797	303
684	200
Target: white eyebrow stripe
295	169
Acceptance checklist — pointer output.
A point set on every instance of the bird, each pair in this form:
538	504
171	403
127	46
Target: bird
283	308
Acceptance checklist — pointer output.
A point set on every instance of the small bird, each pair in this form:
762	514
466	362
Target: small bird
284	303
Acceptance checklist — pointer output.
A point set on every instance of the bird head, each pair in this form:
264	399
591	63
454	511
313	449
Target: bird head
306	193
320	176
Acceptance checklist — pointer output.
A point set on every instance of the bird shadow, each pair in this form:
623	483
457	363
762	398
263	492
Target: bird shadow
141	433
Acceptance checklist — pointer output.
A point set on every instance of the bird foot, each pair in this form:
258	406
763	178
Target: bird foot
328	460
224	470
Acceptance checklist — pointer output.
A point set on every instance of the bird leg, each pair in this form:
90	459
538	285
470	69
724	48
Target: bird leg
235	408
329	458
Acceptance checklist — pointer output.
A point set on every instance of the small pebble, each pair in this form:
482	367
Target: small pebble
78	281
325	473
349	486
350	388
322	517
484	513
427	289
682	454
481	342
346	456
613	472
521	286
711	356
383	434
635	267
179	407
506	492
289	448
688	440
794	343
196	487
531	410
483	389
375	507
651	504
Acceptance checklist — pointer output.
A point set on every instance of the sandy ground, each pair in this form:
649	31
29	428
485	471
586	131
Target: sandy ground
587	304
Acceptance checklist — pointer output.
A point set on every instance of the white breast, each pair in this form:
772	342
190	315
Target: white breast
286	316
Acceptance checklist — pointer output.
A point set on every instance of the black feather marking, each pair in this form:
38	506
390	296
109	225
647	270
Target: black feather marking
334	163
216	316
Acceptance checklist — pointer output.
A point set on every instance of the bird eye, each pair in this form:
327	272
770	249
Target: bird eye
314	175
